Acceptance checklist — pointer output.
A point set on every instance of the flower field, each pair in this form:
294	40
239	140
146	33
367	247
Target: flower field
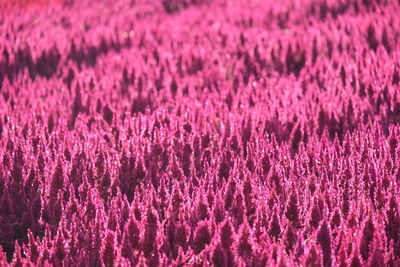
200	133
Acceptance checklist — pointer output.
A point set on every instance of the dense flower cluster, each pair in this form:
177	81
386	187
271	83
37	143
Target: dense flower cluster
197	133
